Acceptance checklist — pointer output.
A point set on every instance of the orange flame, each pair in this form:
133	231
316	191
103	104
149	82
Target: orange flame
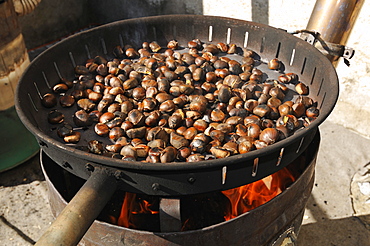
250	196
241	199
132	205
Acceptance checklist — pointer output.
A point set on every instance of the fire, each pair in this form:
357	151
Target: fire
142	212
250	196
133	205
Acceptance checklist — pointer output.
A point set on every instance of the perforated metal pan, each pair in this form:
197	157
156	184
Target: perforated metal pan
180	178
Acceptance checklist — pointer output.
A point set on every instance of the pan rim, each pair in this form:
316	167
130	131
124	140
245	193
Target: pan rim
174	166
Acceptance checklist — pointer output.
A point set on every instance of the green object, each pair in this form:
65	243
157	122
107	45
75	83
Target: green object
16	142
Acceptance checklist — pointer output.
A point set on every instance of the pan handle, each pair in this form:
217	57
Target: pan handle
76	218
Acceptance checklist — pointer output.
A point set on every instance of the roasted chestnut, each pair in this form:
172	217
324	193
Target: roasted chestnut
164	105
312	112
82	118
74	137
55	117
301	88
49	100
274	64
269	135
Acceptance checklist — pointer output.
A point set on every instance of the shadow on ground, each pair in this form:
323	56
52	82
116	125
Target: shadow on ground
26	173
333	232
338	232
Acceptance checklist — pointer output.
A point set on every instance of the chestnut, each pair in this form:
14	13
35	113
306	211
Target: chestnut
82	118
60	88
135	117
168	154
64	130
178	141
246	145
163	105
312	112
195	157
274	64
101	129
173	44
133	132
55	117
96	147
74	137
301	88
49	100
269	135
128	150
253	130
66	101
261	110
220	152
115	148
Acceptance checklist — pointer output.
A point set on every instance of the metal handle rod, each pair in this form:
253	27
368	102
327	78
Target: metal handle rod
76	218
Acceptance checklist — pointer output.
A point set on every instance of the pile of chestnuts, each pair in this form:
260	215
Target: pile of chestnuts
192	103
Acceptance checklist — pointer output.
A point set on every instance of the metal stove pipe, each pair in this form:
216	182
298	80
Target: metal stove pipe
334	20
